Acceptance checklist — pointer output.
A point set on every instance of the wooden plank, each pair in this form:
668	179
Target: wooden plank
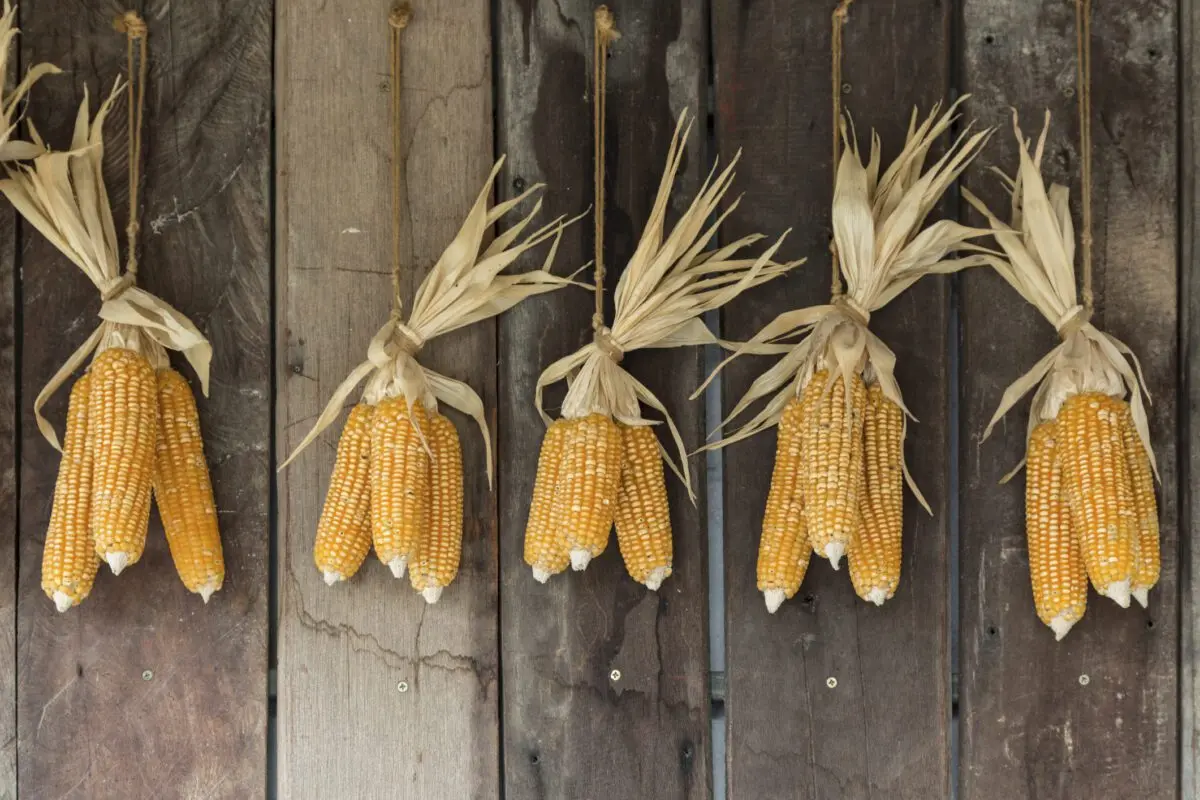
8	501
344	728
883	731
143	686
1033	725
1189	706
570	729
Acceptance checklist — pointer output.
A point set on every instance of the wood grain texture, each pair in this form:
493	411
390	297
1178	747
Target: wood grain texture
570	730
1189	120
89	722
883	731
1030	727
8	495
344	728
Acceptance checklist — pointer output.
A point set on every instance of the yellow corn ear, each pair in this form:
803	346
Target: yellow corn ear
1099	490
122	429
588	482
400	481
183	489
440	549
545	545
69	560
1056	567
833	450
784	550
1148	559
643	516
344	532
876	557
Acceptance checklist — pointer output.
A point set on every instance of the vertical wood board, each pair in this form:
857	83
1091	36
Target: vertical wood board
605	682
1096	714
345	728
143	686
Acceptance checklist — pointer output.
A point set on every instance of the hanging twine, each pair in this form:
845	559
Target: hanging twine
134	28
407	338
605	34
839	21
1083	49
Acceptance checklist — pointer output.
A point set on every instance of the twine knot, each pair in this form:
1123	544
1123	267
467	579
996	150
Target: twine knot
409	341
604	341
132	24
116	287
400	16
849	308
843	9
606	24
1072	320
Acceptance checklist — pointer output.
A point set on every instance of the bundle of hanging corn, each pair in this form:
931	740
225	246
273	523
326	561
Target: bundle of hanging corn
1090	511
132	426
397	477
837	485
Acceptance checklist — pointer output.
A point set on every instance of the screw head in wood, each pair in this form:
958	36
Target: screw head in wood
402	687
147	674
831	682
1084	680
615	675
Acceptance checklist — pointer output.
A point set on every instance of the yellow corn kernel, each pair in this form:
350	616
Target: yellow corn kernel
1099	490
122	430
69	560
643	516
545	545
440	549
400	487
875	558
183	489
588	482
344	532
833	449
784	550
1147	562
1056	568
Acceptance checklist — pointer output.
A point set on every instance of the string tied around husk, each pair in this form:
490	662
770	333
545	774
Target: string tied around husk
62	194
467	284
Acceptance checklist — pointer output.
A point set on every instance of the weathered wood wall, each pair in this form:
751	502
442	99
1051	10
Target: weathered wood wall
590	685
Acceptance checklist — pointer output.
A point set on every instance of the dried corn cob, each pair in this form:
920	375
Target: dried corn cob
400	487
1099	490
122	429
344	532
875	558
183	489
833	449
545	546
588	482
1056	567
784	550
440	548
1148	559
643	517
69	560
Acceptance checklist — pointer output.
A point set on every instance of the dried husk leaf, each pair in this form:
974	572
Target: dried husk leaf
10	149
1039	262
62	194
668	284
466	285
882	250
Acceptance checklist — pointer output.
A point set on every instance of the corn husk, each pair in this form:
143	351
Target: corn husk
668	284
1040	248
62	194
882	250
15	149
464	287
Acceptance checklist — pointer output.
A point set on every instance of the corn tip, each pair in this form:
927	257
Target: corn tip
834	552
656	577
432	594
332	577
774	599
877	596
580	558
206	591
397	565
117	562
1142	596
63	601
1118	592
1061	625
540	575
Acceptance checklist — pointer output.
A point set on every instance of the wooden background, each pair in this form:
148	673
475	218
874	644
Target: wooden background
266	220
